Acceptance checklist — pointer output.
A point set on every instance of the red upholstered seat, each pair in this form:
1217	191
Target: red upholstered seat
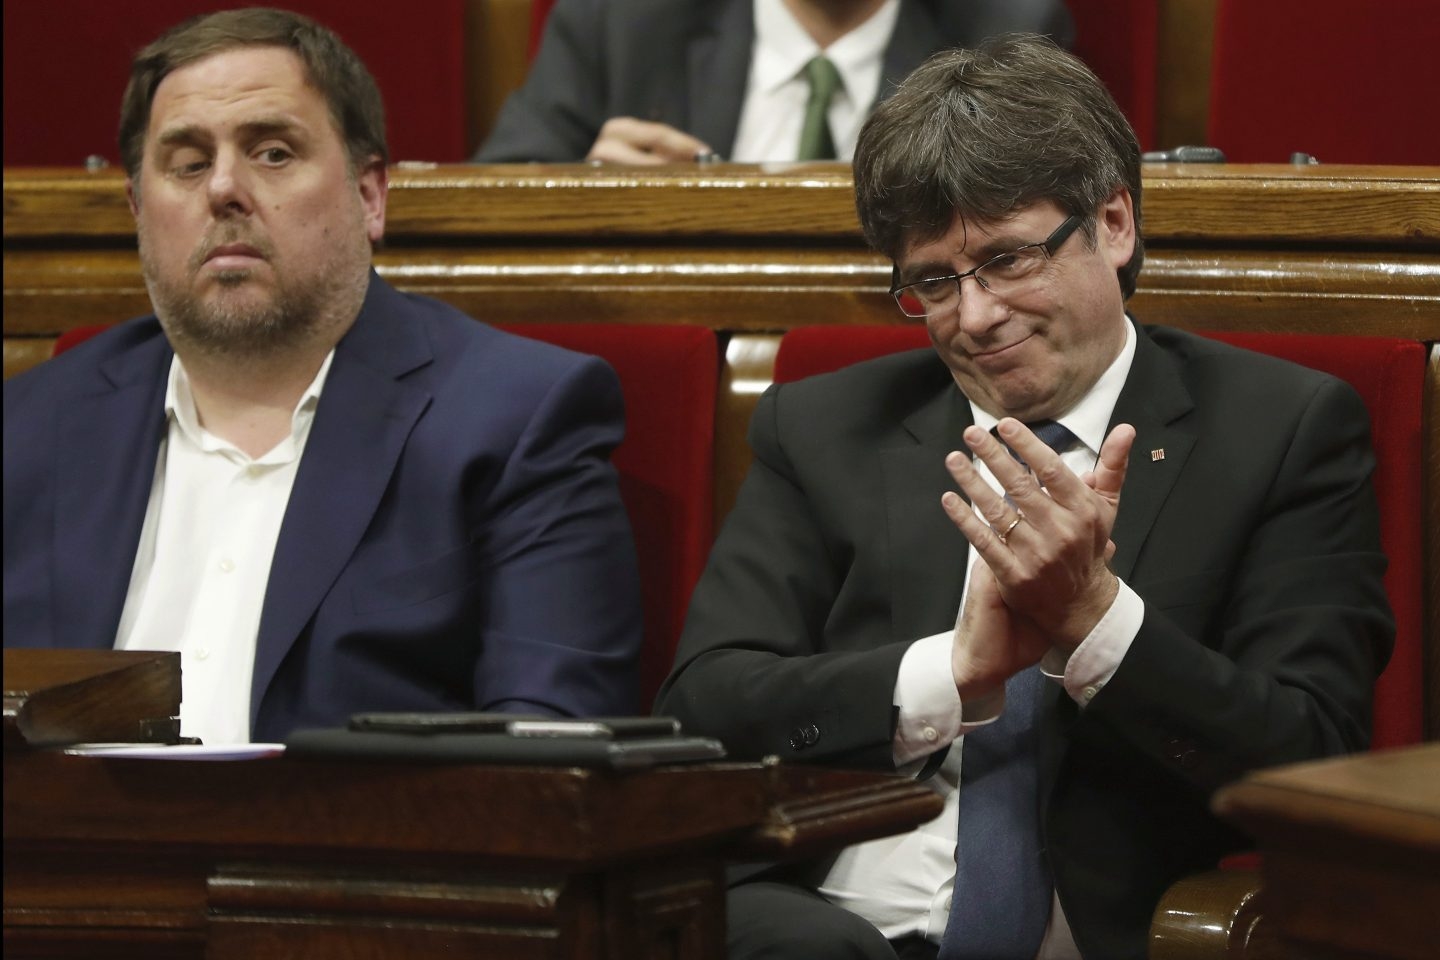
66	65
669	377
1120	41
1388	374
1344	82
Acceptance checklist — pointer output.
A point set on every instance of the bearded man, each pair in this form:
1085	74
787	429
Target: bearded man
328	496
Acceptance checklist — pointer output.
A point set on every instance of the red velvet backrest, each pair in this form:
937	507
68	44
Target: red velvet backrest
1389	376
67	61
1120	41
539	13
1347	83
669	376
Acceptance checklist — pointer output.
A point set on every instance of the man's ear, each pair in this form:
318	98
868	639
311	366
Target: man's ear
1115	228
373	183
132	197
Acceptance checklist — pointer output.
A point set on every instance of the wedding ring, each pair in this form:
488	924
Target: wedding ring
1005	535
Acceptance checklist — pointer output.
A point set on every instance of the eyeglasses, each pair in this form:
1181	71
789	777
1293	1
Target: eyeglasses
1004	275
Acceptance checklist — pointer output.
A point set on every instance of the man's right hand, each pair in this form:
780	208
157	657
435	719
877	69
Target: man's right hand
992	644
628	140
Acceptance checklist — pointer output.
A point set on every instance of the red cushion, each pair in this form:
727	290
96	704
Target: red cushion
669	375
66	65
1389	376
1344	82
1120	41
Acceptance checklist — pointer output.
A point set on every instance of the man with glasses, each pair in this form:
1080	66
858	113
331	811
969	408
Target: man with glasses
1118	567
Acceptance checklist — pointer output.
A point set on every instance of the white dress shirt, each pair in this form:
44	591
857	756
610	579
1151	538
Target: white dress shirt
198	582
903	884
777	91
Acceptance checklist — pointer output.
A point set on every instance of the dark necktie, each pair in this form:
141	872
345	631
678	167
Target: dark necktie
1054	435
816	142
1002	894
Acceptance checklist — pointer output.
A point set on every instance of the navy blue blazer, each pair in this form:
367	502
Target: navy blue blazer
455	537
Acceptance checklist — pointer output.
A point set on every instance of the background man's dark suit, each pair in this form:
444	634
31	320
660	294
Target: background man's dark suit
686	63
1252	542
454	538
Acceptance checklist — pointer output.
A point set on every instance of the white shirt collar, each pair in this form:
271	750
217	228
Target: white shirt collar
1089	418
782	47
180	410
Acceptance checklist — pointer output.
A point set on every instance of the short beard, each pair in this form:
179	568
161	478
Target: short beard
242	328
227	328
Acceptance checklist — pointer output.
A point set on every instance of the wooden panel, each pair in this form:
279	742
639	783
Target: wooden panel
1397	206
497	34
749	368
1351	850
1182	102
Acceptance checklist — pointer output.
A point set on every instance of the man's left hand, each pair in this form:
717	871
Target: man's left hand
1048	539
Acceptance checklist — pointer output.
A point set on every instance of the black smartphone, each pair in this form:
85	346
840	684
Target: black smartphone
418	722
599	728
516	725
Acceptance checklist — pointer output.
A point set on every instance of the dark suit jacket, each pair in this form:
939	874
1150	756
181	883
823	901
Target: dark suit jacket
1253	543
687	63
454	538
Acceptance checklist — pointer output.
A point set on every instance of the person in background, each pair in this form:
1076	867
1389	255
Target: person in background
660	81
327	495
1077	571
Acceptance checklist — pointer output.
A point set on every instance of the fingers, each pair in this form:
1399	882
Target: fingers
1048	470
628	140
1109	474
983	534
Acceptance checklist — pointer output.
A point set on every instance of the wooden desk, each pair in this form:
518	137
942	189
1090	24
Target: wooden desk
318	858
1351	848
288	858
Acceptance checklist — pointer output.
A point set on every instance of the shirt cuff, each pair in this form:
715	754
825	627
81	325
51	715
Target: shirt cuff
931	715
1086	671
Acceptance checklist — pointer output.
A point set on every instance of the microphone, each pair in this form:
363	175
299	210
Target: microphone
1184	155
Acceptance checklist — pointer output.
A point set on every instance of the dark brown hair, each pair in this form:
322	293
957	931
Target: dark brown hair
984	133
331	68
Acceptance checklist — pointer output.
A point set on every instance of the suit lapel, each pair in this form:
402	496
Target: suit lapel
1154	402
927	553
107	445
367	410
718	71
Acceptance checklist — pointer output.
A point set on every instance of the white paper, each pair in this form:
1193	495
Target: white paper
180	751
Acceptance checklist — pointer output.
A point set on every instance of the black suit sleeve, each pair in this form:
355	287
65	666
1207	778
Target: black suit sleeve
555	116
1296	624
756	666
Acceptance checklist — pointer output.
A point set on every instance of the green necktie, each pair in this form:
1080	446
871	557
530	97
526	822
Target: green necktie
815	140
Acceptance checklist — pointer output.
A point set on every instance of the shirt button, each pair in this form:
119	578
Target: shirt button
227	565
202	653
1089	692
931	734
